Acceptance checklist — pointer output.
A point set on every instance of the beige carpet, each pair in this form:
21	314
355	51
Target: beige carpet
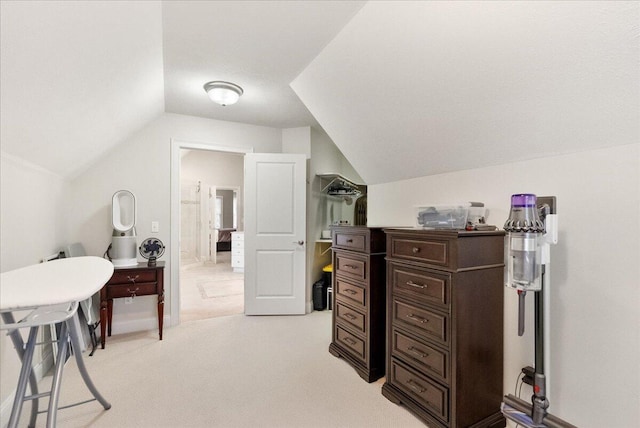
211	290
233	371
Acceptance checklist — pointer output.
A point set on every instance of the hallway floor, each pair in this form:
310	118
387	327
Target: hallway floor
211	290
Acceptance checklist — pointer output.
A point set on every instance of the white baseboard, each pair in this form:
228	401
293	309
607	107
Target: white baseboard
132	326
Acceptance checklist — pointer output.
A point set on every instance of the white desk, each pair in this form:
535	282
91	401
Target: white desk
52	291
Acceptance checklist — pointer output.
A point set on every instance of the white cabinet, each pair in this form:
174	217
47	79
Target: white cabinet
237	251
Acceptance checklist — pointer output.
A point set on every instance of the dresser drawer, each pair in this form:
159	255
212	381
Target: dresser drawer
422	321
131	289
350	266
352	317
129	277
431	251
350	241
421	284
350	342
237	252
237	245
433	361
420	388
350	292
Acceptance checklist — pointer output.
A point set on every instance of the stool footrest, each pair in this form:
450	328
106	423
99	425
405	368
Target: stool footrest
71	405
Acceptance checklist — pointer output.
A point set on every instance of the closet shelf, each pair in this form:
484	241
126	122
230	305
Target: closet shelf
338	185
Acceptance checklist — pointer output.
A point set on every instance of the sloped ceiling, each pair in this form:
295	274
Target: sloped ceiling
405	89
260	45
77	78
410	89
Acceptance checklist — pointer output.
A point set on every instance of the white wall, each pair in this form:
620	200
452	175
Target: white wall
595	298
142	164
32	227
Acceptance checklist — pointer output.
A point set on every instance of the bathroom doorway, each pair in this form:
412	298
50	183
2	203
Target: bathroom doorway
211	214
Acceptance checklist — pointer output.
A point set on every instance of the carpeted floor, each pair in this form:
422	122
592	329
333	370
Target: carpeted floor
211	290
233	371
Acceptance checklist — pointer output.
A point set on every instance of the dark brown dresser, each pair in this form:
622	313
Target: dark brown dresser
445	325
359	291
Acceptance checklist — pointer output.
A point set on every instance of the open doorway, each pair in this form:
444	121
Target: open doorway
211	225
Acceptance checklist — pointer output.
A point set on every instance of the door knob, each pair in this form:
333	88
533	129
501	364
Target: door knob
299	242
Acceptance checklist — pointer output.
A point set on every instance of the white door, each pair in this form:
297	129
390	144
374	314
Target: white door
275	228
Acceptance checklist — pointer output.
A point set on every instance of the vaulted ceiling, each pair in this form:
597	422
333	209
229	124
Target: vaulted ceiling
404	89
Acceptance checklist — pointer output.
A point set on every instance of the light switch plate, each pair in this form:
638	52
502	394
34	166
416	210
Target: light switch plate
155	226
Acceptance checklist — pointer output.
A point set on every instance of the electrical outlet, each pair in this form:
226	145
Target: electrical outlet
128	300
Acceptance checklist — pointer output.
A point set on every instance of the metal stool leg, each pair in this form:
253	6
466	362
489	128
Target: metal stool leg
77	352
25	373
63	344
18	344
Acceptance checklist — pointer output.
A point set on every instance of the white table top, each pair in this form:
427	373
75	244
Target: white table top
60	281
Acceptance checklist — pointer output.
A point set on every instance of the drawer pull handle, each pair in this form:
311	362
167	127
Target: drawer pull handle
417	318
416	285
350	241
351	266
350	341
350	316
350	291
133	292
415	250
417	352
133	279
416	386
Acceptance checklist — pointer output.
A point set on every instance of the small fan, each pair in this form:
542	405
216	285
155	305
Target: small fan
151	248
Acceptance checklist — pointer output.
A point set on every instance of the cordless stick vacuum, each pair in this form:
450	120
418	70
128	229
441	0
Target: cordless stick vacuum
531	228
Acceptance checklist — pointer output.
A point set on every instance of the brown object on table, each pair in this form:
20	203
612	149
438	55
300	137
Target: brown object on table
131	281
358	286
445	325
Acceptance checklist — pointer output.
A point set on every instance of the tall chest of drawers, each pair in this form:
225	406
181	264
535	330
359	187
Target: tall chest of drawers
237	251
445	325
359	291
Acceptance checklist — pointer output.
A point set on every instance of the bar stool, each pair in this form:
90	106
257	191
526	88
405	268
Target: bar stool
66	315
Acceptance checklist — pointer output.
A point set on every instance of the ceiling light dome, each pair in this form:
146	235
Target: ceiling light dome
223	93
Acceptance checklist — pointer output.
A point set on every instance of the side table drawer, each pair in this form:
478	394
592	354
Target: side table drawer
129	277
128	290
423	390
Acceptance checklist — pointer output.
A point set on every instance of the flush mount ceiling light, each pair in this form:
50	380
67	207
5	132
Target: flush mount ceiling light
223	93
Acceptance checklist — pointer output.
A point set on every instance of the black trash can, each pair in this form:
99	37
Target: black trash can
320	295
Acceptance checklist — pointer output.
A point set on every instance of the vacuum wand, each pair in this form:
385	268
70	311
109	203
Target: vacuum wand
521	299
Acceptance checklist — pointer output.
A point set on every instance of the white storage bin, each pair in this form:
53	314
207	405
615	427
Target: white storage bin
442	216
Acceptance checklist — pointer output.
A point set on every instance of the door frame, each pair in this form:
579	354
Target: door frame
174	244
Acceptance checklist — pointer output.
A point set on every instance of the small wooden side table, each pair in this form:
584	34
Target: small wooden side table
131	281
